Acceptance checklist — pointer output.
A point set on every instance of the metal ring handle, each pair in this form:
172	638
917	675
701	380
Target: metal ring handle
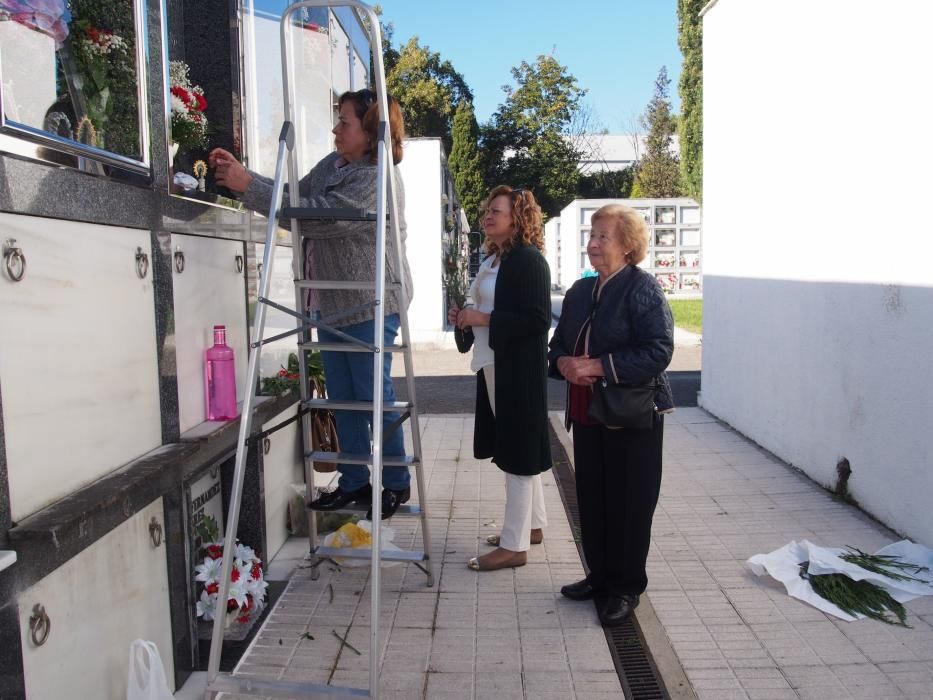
15	260
142	264
266	445
239	263
155	532
179	261
40	626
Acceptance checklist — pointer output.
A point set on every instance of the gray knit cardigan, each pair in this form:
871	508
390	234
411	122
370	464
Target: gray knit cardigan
342	250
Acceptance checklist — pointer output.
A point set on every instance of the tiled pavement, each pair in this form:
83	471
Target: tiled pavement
509	634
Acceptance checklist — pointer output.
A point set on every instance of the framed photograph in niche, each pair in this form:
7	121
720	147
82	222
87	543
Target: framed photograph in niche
665	215
665	238
690	237
72	81
645	212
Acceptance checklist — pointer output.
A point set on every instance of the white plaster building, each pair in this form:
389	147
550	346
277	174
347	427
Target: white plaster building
818	321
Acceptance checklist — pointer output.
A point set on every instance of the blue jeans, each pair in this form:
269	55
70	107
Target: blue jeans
349	377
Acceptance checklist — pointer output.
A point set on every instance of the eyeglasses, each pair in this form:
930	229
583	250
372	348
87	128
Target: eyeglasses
518	190
366	96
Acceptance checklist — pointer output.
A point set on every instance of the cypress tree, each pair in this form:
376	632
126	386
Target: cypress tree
466	162
690	39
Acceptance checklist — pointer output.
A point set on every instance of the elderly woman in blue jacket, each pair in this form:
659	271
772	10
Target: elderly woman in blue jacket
616	326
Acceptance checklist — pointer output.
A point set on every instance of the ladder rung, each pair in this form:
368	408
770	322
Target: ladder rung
342	284
336	405
326	214
353	458
262	687
348	347
404	509
363	553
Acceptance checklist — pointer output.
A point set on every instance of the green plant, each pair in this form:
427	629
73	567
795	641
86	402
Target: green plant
287	378
688	314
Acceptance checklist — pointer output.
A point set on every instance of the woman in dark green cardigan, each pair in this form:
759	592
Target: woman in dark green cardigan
507	329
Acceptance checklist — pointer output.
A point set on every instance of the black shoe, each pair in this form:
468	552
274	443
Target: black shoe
338	498
391	500
617	610
581	590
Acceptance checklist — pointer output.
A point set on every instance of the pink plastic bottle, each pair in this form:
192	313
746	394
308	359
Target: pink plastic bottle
220	378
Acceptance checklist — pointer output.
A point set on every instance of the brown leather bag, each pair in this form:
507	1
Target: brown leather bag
323	432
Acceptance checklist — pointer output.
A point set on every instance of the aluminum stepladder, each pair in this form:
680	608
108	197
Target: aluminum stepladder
385	211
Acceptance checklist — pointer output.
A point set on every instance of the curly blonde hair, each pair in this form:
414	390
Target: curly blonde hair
526	219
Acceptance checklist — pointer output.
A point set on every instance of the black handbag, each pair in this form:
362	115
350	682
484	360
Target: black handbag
620	406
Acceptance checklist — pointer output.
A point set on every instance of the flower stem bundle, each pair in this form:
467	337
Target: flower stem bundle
856	597
889	566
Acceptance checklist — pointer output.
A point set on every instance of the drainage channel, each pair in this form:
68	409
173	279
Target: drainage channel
637	671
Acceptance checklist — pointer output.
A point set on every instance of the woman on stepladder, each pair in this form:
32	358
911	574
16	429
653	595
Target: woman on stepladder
507	329
346	250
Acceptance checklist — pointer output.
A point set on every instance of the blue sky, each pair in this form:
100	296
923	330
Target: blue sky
613	47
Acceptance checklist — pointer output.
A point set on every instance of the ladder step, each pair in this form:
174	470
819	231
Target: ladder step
261	687
348	347
363	553
405	509
355	458
327	214
342	284
338	405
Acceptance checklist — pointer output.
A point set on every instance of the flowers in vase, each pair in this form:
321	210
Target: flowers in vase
668	282
189	124
247	590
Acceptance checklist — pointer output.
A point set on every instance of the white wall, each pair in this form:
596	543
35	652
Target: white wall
421	173
818	322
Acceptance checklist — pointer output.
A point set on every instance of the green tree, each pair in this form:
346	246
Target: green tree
428	87
605	184
466	162
690	129
527	142
659	169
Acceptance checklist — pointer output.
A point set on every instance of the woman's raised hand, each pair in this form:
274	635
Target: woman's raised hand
228	171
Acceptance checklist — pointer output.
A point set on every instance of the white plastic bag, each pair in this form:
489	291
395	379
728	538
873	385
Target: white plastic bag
359	535
146	679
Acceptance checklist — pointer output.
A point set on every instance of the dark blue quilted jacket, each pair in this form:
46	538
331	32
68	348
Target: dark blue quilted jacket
632	333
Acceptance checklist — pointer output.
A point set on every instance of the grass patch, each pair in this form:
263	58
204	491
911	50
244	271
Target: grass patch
688	314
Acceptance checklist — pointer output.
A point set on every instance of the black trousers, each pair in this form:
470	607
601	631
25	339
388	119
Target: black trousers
618	475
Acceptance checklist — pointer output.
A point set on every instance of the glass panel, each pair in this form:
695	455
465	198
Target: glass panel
665	215
664	237
586	215
664	260
690	283
645	212
668	281
689	258
690	236
690	215
70	69
584	237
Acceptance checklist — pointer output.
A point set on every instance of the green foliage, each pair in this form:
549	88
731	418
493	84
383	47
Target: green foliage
288	377
606	184
428	88
856	597
886	565
525	141
466	162
659	169
690	39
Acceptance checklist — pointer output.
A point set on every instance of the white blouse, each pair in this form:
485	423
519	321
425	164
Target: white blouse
483	293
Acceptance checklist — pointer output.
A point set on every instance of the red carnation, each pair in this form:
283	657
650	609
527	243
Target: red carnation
232	605
212	588
256	571
181	94
214	551
235	575
202	103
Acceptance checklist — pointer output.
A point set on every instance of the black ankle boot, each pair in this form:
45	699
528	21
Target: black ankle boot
617	609
338	498
391	500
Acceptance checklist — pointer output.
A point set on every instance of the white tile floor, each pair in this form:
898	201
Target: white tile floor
509	634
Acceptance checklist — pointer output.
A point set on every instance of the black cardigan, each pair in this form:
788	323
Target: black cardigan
516	437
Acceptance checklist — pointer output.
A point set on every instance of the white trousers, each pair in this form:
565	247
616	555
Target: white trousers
524	497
